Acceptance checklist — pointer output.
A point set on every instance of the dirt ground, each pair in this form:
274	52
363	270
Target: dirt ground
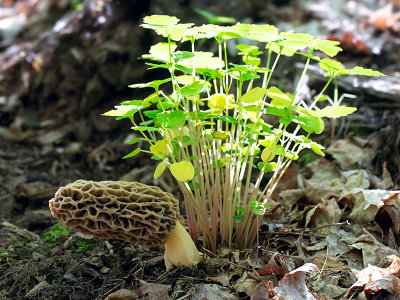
56	82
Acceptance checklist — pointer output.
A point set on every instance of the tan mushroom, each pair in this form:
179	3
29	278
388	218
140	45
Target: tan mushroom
128	211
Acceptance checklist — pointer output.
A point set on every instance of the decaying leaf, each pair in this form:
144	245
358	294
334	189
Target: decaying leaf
213	291
293	285
325	213
372	279
154	291
373	252
388	215
350	155
246	285
366	203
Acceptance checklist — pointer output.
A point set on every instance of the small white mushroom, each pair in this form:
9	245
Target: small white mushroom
128	211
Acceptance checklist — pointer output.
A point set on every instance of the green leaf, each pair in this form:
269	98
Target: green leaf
160	148
330	48
133	153
213	19
291	155
226	35
180	55
203	60
279	98
135	141
254	95
253	61
152	84
124	111
160	51
210	72
182	171
334	68
254	204
258	212
220	135
175	32
363	71
281	112
337	111
227	119
316	149
238	217
285	121
193	89
331	66
160	169
169	119
265	167
267	155
160	20
144	128
316	125
263	33
240	208
248	50
277	150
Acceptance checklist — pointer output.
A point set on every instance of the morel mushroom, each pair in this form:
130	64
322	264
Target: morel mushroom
128	211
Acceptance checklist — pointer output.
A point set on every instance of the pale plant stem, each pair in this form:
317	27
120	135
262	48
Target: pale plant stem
227	187
190	208
320	94
204	188
216	184
264	83
302	75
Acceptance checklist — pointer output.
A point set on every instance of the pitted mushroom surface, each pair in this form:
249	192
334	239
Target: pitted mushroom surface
129	211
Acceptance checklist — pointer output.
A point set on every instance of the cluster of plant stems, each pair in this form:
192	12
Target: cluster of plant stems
215	123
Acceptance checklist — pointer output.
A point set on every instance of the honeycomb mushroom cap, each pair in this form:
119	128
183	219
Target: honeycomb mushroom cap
129	211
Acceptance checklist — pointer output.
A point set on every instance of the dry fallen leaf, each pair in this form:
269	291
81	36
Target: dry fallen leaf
293	285
154	291
374	279
123	294
246	285
350	155
212	292
325	213
373	252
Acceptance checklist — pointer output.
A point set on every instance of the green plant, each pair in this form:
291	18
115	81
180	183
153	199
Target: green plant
83	246
213	19
211	125
56	233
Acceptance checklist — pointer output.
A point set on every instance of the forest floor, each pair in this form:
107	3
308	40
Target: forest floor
332	230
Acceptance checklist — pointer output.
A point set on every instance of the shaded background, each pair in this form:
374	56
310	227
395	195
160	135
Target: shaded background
64	63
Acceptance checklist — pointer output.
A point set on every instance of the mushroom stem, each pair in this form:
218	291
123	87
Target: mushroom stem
180	249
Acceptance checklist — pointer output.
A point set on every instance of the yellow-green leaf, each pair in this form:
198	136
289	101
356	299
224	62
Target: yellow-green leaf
160	169
217	101
316	149
221	135
337	111
254	95
182	171
278	97
267	155
161	20
160	149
